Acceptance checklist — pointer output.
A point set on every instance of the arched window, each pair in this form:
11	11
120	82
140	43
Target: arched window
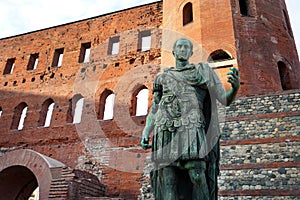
46	113
109	107
284	75
140	102
218	55
187	13
19	116
0	111
220	59
75	109
106	108
78	111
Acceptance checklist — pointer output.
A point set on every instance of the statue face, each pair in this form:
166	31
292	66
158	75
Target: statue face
182	50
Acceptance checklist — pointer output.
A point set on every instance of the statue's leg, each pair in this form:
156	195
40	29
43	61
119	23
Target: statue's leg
197	175
170	184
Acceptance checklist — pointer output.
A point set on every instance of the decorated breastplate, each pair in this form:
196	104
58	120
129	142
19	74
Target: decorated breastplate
181	104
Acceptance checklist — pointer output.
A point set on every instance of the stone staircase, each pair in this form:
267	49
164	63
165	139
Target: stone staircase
75	184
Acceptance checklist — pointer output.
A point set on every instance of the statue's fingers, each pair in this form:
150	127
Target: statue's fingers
231	82
235	71
230	79
230	74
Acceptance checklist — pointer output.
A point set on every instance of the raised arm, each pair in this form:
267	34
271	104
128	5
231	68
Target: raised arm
227	97
234	80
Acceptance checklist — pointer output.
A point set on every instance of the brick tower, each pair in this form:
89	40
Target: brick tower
261	129
256	36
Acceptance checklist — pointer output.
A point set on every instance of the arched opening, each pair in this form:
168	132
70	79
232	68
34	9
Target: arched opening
19	116
0	111
187	13
220	59
106	107
221	62
218	55
75	109
109	107
17	182
284	76
78	111
23	170
140	101
46	113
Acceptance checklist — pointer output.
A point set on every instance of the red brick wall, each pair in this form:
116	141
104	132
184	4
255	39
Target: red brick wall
67	142
262	40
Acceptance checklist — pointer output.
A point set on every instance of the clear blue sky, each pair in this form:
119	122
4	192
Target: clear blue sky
21	16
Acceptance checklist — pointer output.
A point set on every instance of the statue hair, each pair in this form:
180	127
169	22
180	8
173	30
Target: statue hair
191	44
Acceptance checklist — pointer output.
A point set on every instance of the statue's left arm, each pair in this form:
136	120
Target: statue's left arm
234	80
227	97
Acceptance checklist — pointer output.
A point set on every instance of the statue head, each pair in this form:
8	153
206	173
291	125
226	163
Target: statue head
183	49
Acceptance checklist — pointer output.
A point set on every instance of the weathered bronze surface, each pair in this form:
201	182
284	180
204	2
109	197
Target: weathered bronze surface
184	121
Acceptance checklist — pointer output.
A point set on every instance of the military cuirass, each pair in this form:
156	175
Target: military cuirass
179	121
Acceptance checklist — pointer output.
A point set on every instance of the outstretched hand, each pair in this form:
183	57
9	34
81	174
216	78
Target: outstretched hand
234	78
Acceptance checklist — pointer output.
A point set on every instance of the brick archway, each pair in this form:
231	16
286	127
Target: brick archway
21	171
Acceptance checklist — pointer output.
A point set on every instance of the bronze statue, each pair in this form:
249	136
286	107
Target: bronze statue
183	116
